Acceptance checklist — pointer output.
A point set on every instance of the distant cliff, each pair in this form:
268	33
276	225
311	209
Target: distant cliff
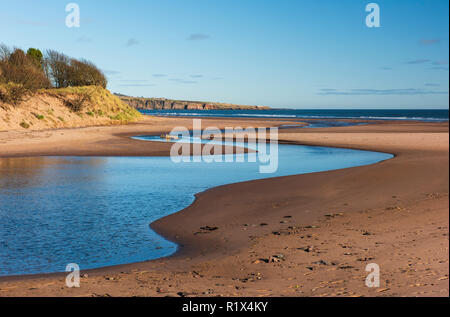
162	104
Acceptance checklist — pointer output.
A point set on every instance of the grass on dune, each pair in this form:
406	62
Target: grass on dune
96	101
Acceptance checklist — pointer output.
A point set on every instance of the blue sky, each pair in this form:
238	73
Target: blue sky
299	54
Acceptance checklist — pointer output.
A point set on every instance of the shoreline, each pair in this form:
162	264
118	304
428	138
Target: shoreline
202	249
130	136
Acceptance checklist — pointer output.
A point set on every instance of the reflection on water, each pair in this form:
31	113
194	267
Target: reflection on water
34	171
96	211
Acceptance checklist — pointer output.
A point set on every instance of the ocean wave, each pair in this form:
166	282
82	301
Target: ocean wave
296	116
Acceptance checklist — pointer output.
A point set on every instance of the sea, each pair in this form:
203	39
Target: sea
432	115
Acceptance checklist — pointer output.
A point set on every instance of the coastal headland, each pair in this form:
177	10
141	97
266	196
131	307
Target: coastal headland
169	104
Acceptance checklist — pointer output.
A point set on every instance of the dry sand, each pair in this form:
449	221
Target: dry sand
317	231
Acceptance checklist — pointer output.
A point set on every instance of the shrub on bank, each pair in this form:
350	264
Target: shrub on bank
21	75
65	72
18	68
24	125
76	84
13	94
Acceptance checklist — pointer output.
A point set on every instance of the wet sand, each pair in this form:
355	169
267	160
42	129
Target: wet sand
303	235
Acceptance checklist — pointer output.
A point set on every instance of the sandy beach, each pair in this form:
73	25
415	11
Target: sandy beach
302	235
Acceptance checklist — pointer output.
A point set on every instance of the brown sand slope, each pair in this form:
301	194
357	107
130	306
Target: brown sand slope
323	228
54	108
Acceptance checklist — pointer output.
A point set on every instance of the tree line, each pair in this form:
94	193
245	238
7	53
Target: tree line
22	74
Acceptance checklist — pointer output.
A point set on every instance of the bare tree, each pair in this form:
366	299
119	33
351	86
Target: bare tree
85	73
64	71
58	68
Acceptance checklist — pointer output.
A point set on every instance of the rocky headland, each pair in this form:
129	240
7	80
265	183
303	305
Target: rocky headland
163	104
